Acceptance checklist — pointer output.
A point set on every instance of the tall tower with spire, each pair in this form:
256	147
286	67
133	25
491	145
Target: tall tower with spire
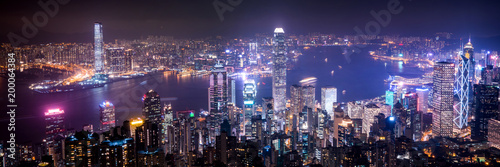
465	79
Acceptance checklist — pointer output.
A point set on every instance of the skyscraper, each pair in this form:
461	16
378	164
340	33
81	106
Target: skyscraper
279	70
152	107
423	99
465	77
486	107
328	97
301	97
98	48
107	111
219	95
54	124
442	117
249	93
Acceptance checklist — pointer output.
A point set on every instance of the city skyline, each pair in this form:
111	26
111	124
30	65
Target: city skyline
281	83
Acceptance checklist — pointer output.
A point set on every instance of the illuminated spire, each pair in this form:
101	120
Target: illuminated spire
468	45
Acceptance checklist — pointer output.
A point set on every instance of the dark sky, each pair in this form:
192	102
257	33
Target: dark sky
198	18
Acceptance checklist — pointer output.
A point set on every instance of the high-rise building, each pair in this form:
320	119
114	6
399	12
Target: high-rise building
249	93
107	111
328	97
389	98
54	125
118	60
219	95
414	121
464	78
302	96
423	99
442	116
279	70
98	48
152	107
486	107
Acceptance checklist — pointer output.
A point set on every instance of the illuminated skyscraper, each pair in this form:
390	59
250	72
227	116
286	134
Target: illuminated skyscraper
249	93
98	48
423	99
219	95
301	97
107	111
389	98
442	117
54	125
328	97
152	107
465	77
279	70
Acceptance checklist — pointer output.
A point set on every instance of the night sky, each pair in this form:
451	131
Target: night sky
198	18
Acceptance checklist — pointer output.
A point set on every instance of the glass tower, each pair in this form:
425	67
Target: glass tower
328	97
279	71
98	48
442	117
465	77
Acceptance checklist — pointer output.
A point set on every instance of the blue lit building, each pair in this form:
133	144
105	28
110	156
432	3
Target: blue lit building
249	93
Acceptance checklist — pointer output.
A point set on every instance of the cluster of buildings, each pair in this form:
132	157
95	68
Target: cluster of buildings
455	120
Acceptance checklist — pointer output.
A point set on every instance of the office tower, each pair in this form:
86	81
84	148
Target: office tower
249	93
494	133
147	136
98	48
279	70
54	125
302	96
152	107
423	99
442	117
118	60
464	78
370	111
414	121
54	134
328	97
79	149
389	98
219	95
107	111
486	107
